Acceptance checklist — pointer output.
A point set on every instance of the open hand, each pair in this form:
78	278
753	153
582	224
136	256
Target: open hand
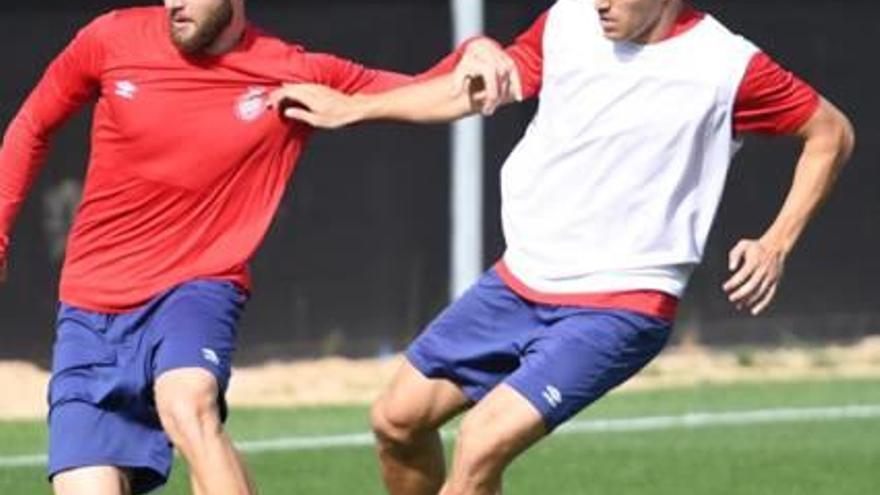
488	74
757	271
315	105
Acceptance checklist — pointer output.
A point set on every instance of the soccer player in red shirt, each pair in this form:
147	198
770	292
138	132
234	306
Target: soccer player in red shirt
186	171
606	204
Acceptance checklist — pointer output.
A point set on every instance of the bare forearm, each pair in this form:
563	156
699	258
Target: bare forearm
828	144
427	102
758	264
485	78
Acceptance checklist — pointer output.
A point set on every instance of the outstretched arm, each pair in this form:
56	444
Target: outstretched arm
758	264
485	77
444	98
431	101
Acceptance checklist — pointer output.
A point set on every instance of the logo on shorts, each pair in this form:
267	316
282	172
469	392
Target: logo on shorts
552	395
251	104
210	356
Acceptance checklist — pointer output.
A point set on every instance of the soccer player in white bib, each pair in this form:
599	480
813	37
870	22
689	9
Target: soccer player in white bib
607	201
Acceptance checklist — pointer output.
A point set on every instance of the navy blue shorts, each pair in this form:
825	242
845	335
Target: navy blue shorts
101	406
559	358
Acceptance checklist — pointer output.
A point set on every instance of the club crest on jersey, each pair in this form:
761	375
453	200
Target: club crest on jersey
251	104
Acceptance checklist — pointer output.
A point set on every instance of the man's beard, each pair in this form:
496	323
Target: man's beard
206	31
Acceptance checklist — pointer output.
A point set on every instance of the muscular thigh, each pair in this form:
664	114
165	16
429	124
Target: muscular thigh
94	480
415	401
196	331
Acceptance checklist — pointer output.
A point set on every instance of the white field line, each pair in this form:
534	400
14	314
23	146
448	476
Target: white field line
649	423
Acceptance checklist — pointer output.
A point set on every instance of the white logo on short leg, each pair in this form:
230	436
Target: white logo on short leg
210	356
552	395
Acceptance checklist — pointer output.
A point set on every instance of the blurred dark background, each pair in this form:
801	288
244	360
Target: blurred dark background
357	260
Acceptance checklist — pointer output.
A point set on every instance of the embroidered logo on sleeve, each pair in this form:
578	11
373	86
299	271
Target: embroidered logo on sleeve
126	89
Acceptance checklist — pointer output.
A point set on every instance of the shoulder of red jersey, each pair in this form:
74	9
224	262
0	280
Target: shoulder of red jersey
133	15
119	24
269	43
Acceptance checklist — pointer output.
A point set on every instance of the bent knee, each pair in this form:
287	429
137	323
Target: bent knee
188	406
397	425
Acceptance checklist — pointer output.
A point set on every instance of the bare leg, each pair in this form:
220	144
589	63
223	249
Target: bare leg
406	420
187	403
96	480
492	434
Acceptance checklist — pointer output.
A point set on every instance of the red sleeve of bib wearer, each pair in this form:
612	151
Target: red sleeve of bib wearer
772	100
528	54
71	80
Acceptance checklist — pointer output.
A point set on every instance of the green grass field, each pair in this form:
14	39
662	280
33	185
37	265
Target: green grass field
833	456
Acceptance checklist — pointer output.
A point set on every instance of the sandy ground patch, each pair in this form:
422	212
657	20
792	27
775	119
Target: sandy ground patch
347	381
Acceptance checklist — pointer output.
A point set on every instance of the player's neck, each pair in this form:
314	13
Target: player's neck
664	25
230	37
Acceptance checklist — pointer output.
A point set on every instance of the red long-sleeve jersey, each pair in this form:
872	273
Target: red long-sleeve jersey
187	166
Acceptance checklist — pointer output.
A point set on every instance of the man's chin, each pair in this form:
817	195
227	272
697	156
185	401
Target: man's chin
613	35
187	45
196	37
